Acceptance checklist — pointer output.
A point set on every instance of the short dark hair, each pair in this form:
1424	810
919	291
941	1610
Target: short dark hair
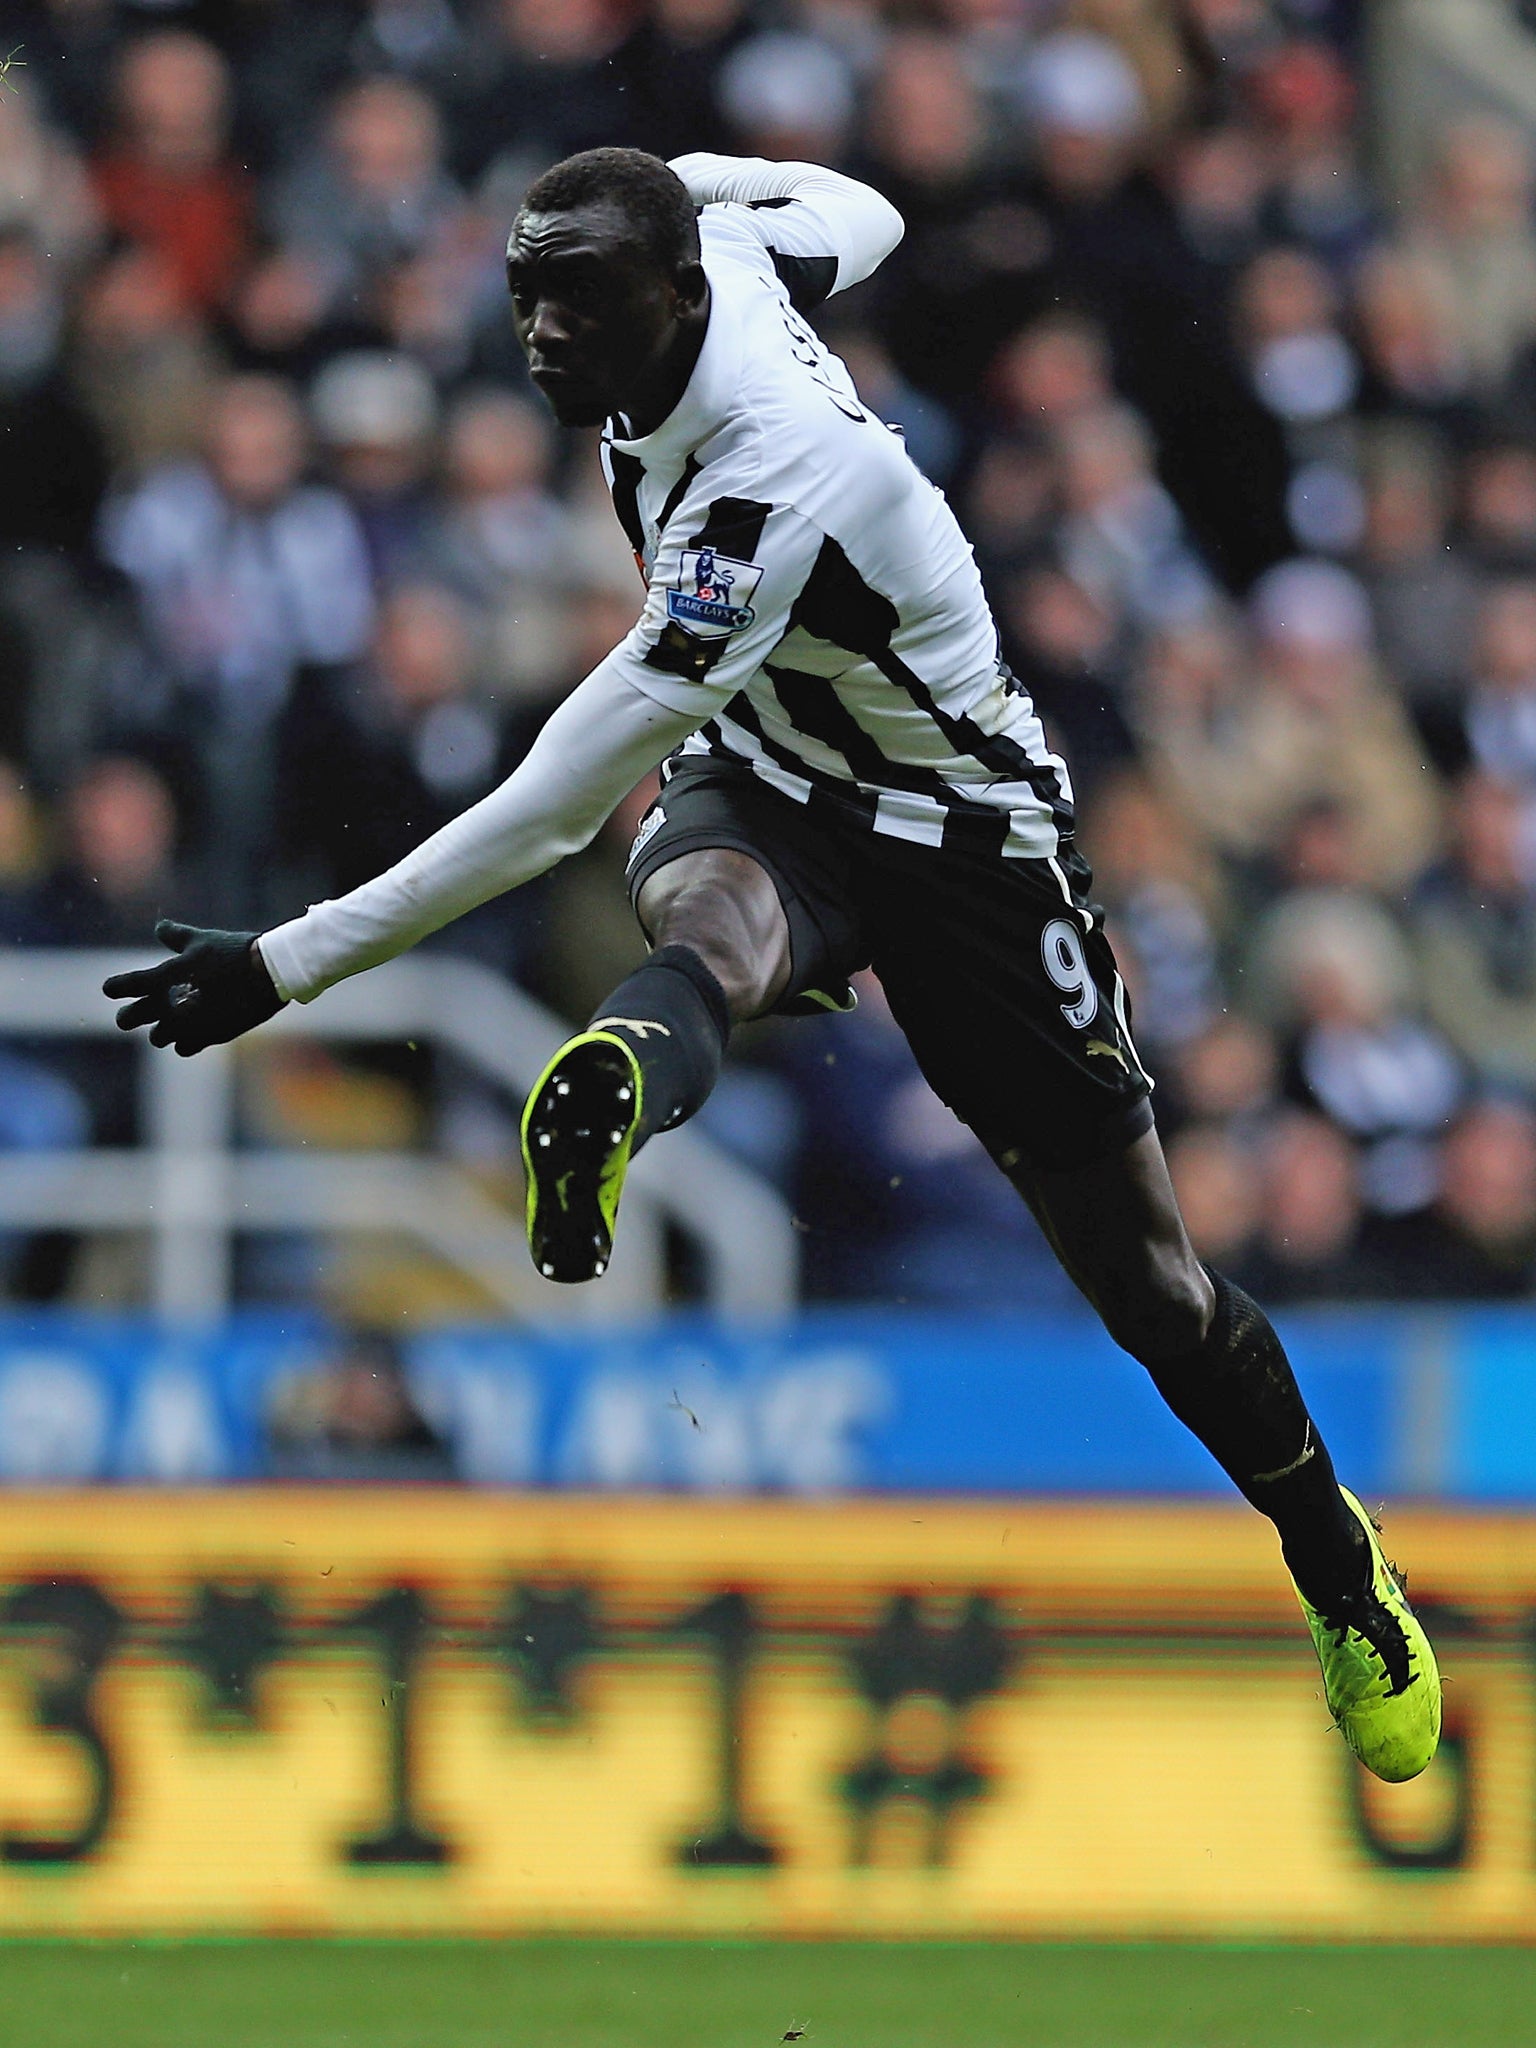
651	196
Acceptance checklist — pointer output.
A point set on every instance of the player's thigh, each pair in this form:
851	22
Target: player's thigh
1115	1225
719	854
722	903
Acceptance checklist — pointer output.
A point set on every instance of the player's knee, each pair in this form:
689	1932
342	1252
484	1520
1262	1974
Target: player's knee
713	922
1162	1311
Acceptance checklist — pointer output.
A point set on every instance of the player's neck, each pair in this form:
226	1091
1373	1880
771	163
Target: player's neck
660	390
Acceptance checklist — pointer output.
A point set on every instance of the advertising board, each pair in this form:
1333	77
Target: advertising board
308	1710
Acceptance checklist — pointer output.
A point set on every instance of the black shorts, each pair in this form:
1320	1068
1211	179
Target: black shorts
996	969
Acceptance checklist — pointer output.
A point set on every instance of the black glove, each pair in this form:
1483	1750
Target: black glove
213	987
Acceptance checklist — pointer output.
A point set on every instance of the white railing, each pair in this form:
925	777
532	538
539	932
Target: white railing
193	1191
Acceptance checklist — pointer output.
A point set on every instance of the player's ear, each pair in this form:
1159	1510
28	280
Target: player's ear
690	288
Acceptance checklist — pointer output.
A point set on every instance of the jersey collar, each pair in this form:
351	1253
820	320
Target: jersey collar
707	398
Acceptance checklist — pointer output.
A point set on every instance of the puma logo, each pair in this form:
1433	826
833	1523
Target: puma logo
641	1026
1108	1052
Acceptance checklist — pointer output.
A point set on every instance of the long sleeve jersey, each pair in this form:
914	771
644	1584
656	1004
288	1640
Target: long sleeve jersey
813	610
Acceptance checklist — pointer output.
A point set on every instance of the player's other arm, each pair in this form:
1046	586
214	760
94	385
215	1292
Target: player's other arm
591	752
826	232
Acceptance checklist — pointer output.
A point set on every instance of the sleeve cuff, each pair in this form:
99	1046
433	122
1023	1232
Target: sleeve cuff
277	954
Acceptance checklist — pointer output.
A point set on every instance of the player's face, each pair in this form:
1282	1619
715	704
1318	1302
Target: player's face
594	311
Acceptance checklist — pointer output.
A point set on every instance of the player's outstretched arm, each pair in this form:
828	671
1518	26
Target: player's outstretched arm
591	753
805	212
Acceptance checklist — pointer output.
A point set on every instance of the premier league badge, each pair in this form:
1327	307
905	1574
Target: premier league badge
712	594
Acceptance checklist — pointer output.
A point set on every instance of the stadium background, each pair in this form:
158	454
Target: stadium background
823	1570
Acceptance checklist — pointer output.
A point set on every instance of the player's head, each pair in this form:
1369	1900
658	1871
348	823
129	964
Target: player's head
603	266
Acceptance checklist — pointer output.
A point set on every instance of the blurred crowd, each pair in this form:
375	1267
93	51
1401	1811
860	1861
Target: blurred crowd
292	564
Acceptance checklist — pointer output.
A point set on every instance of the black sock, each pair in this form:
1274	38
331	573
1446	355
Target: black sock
674	1015
1238	1394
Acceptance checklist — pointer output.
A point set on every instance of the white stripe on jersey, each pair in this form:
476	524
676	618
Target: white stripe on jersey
810	593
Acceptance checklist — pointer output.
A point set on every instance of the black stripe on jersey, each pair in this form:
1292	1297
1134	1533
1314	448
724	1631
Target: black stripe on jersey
733	527
678	652
837	605
809	280
996	751
741	711
813	706
628	470
981	827
678	492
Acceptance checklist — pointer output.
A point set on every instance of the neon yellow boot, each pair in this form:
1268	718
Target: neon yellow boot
579	1128
1379	1670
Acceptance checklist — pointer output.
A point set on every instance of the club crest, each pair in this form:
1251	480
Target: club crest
712	593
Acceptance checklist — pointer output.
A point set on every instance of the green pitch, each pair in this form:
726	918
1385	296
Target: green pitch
608	1994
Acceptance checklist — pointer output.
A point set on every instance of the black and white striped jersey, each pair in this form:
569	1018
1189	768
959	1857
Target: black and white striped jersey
811	597
812	608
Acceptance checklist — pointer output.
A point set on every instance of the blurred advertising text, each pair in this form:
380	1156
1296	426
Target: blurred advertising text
306	1710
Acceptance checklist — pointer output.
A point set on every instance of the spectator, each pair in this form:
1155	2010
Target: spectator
118	870
539	83
967	270
115	874
1052	373
1110	228
52	462
244	572
1070	647
1309	1246
44	189
1163	894
928	429
1475	248
1475	927
1218	179
502	518
1501	702
1422	594
1220	1196
1228	1074
896	1197
378	754
1306	97
141	362
1337	971
1148	35
373	193
168	181
1008	502
1499	509
1478	1241
1411	344
671	68
1320	723
20	852
375	418
1122	538
353	1417
1305	373
502	538
789	97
